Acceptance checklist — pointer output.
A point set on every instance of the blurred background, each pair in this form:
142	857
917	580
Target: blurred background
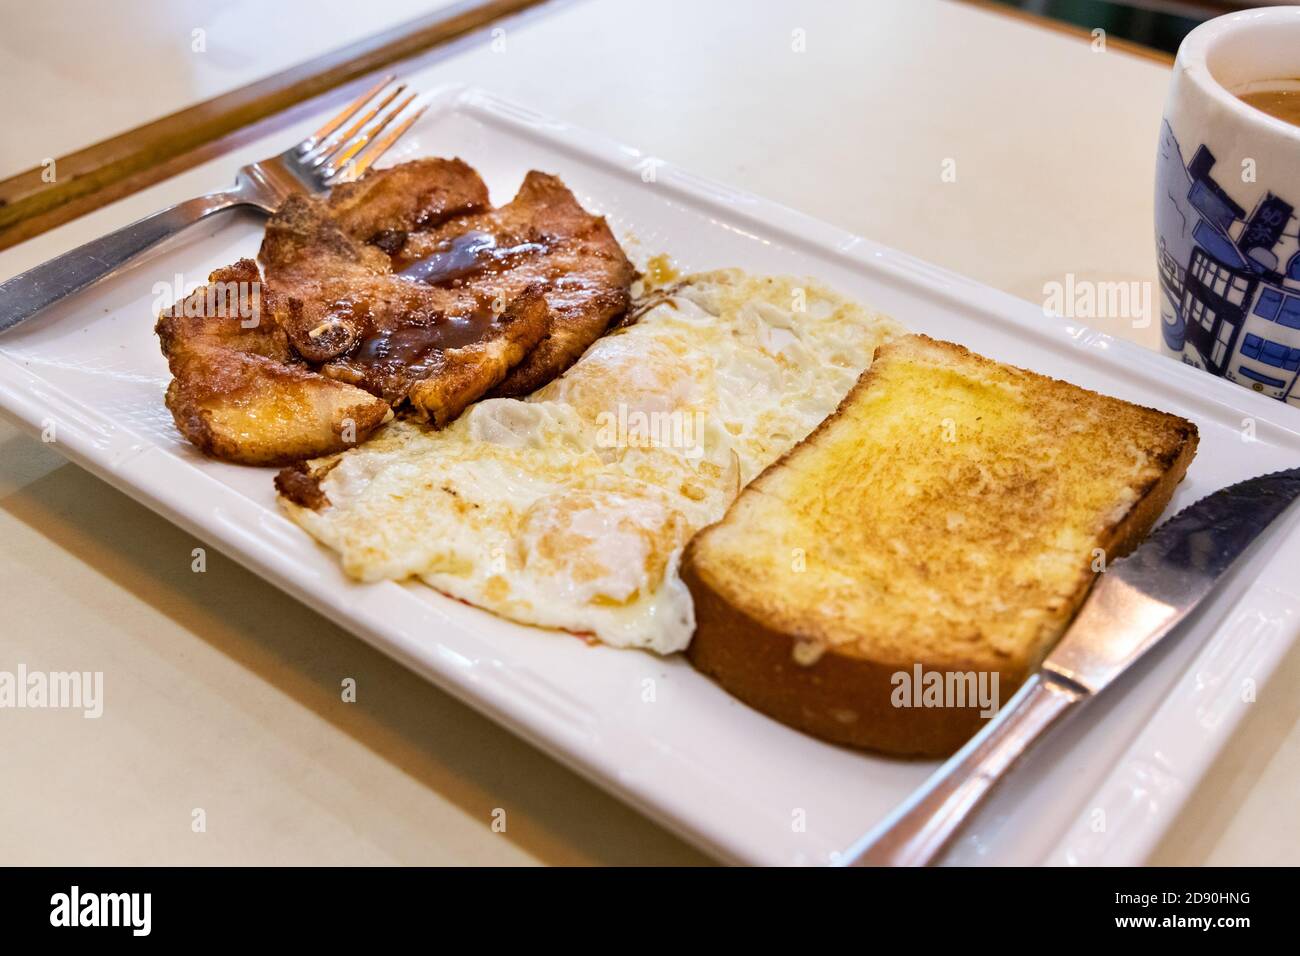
1161	24
131	62
87	72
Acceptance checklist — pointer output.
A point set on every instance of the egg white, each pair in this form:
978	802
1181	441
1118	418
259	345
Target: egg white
570	509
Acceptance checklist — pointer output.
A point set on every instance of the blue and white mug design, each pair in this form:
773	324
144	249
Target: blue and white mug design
1228	205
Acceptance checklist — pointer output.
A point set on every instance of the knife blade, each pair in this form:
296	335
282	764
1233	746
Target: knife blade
1137	601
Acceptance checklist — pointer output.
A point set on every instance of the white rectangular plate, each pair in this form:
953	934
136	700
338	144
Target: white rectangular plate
739	785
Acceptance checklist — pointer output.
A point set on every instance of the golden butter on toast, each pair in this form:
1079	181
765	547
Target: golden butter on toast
950	514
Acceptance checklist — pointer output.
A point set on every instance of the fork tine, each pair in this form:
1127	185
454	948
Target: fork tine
315	139
340	159
348	143
330	150
376	149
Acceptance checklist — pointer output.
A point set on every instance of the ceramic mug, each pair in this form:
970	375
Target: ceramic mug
1227	201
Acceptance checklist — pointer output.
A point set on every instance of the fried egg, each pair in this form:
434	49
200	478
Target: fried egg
570	509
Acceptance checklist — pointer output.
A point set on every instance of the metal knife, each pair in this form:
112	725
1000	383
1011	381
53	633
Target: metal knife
1134	603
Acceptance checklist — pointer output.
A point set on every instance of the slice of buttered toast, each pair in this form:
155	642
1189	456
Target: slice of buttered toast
894	578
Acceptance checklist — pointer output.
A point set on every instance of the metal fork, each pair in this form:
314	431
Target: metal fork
339	151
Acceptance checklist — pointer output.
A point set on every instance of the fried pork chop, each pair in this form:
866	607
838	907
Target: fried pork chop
542	235
404	286
385	204
372	312
239	393
343	309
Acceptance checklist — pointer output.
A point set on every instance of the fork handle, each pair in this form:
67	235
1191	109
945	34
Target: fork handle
25	295
921	829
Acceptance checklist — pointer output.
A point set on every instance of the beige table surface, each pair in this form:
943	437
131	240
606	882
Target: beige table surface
85	70
222	693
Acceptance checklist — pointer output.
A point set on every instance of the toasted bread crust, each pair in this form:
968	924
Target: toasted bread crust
842	694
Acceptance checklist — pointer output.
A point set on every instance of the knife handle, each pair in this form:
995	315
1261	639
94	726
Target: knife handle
38	288
916	833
